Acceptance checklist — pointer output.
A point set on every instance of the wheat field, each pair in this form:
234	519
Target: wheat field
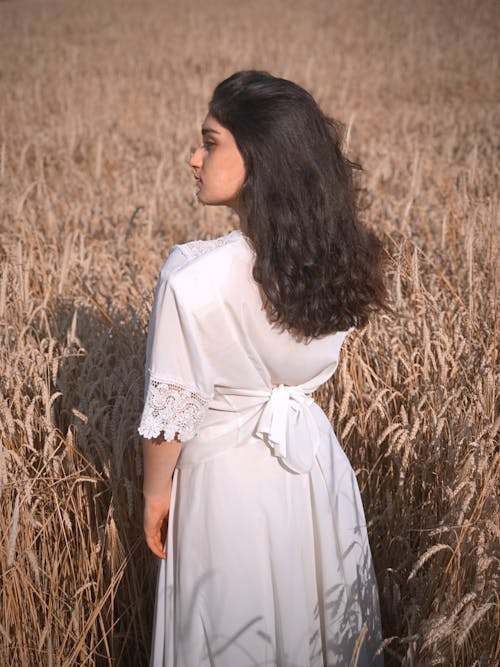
101	103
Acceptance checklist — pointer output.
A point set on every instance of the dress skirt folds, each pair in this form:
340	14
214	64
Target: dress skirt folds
268	561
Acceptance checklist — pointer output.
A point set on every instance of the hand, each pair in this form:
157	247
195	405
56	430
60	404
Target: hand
156	523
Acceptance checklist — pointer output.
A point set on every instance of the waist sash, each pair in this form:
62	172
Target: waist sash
288	425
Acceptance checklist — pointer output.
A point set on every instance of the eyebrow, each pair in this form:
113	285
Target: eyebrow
208	130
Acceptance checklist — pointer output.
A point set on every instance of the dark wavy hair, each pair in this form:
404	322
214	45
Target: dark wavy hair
320	269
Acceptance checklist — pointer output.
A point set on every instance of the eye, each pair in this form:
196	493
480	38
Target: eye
207	145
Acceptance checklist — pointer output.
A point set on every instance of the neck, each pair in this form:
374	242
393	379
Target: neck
238	209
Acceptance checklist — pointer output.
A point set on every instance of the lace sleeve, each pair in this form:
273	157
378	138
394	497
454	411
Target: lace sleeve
172	409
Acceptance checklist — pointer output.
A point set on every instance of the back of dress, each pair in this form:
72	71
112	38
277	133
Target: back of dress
210	335
267	554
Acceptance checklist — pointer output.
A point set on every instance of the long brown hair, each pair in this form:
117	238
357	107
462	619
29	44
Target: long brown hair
319	268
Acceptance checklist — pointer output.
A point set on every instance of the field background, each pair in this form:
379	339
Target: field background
100	104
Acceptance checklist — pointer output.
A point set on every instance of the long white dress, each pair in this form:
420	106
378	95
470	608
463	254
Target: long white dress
268	561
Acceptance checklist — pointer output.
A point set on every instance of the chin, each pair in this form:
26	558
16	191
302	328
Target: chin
206	201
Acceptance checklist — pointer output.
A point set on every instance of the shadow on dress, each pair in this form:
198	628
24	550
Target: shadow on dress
338	633
345	628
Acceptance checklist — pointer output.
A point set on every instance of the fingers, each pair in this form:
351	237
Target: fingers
155	529
155	545
164	530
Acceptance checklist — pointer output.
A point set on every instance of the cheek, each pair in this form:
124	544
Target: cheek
223	173
238	170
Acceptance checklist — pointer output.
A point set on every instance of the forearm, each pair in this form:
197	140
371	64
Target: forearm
159	457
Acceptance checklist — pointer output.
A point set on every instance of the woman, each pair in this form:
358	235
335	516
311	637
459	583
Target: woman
267	559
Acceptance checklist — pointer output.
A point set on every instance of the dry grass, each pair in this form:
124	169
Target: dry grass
100	105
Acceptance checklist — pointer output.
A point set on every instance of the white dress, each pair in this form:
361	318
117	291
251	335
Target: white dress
268	561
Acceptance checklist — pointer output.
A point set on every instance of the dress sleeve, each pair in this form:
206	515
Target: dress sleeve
178	377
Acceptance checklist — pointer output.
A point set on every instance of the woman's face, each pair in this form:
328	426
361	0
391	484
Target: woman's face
218	166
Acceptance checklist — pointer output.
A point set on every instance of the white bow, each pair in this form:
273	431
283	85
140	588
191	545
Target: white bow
289	427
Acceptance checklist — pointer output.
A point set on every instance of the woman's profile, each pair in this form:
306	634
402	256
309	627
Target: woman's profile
266	559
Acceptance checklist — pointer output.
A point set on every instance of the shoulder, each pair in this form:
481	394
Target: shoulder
209	264
194	249
196	254
199	274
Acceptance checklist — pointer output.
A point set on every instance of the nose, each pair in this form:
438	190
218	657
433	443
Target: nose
196	159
